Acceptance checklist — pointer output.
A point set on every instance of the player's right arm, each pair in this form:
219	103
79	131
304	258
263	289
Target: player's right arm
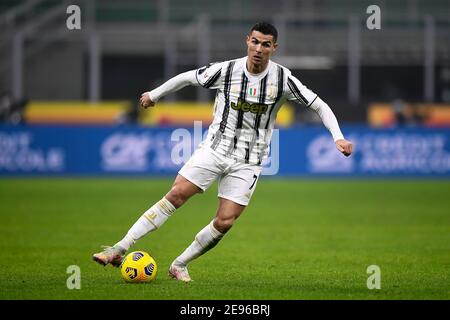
207	77
149	98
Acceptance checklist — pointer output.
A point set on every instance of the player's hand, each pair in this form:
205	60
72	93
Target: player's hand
145	100
344	146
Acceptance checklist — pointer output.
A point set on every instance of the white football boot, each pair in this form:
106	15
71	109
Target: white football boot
179	273
112	255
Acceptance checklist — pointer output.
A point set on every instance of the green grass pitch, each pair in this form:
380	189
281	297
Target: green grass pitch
298	239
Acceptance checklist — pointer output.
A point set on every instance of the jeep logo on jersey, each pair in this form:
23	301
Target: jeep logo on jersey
257	108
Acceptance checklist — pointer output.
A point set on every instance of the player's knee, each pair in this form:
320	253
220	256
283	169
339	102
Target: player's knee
176	196
223	225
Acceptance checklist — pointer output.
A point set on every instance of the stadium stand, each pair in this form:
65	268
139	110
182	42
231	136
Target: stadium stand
184	35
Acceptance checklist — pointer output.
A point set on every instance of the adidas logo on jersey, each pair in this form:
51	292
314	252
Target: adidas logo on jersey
257	108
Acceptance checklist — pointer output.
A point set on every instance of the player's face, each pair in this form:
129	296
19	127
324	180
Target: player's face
260	47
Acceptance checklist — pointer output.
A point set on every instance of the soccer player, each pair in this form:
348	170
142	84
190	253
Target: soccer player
250	91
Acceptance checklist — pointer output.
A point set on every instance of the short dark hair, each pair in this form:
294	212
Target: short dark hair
266	28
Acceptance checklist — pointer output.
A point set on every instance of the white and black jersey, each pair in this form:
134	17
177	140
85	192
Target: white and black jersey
246	105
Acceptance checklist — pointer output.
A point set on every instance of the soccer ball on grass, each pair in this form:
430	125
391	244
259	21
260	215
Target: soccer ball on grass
138	266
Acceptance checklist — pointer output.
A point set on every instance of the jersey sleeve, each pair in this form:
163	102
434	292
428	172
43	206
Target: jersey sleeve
328	118
210	76
174	84
299	92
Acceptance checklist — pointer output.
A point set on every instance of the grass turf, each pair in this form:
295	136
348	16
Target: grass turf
299	239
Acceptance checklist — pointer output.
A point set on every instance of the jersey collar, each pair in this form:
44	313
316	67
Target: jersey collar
255	76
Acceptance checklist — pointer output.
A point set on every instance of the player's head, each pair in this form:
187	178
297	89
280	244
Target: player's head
261	43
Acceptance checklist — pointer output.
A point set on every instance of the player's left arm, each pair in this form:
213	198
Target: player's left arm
329	120
299	92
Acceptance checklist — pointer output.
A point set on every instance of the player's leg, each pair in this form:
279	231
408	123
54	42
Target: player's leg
195	176
152	219
182	189
235	190
207	238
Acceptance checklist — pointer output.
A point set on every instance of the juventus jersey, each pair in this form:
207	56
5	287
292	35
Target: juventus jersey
246	106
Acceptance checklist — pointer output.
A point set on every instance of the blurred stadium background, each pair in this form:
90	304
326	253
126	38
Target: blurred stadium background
398	76
125	47
68	108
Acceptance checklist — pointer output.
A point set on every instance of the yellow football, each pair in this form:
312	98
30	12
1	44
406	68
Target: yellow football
138	266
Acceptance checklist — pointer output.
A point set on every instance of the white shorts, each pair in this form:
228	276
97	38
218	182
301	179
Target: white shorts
237	180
